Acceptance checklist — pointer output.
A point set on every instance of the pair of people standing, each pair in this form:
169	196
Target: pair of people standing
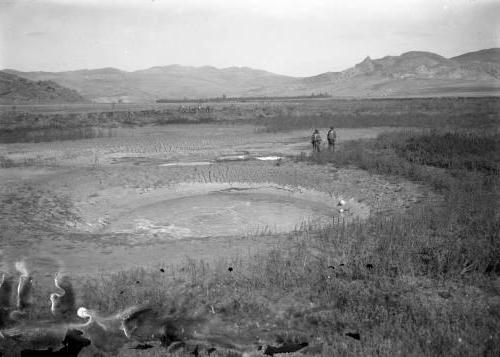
331	136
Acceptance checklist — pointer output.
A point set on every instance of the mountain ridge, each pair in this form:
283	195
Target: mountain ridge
411	73
486	55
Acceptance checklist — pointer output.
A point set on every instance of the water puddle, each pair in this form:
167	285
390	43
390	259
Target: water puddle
222	214
269	158
187	163
232	158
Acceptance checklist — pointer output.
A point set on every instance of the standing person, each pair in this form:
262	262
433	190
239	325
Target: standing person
316	141
332	137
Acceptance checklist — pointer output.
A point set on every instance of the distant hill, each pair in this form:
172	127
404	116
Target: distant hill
491	55
18	90
422	65
487	61
174	81
413	73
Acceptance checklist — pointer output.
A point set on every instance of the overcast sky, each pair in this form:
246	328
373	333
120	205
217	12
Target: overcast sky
293	37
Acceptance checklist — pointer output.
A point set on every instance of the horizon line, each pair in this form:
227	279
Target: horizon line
235	66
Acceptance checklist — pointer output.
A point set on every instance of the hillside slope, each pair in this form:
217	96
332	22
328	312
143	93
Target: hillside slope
414	73
175	81
487	61
491	55
18	90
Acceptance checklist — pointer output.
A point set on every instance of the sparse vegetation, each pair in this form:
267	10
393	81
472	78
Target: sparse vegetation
25	126
422	281
30	127
417	113
416	283
53	134
425	261
224	98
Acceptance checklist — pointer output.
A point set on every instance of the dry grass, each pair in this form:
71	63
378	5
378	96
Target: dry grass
34	124
422	282
464	167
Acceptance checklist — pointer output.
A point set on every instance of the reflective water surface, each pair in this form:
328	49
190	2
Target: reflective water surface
221	214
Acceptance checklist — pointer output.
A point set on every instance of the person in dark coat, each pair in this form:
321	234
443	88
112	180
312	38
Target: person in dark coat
331	137
316	141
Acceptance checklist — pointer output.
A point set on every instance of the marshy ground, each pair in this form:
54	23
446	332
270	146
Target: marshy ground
108	204
187	215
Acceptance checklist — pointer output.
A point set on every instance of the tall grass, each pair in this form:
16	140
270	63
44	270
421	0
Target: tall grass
36	127
285	122
452	150
416	112
464	167
53	134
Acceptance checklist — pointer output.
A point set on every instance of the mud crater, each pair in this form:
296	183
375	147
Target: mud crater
222	213
193	210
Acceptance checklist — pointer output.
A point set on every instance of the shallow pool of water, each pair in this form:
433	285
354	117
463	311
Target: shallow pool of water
187	163
221	214
123	229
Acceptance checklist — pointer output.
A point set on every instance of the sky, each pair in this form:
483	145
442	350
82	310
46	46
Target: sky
291	37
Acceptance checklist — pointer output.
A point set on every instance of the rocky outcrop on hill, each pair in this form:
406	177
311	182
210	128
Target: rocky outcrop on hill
415	73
